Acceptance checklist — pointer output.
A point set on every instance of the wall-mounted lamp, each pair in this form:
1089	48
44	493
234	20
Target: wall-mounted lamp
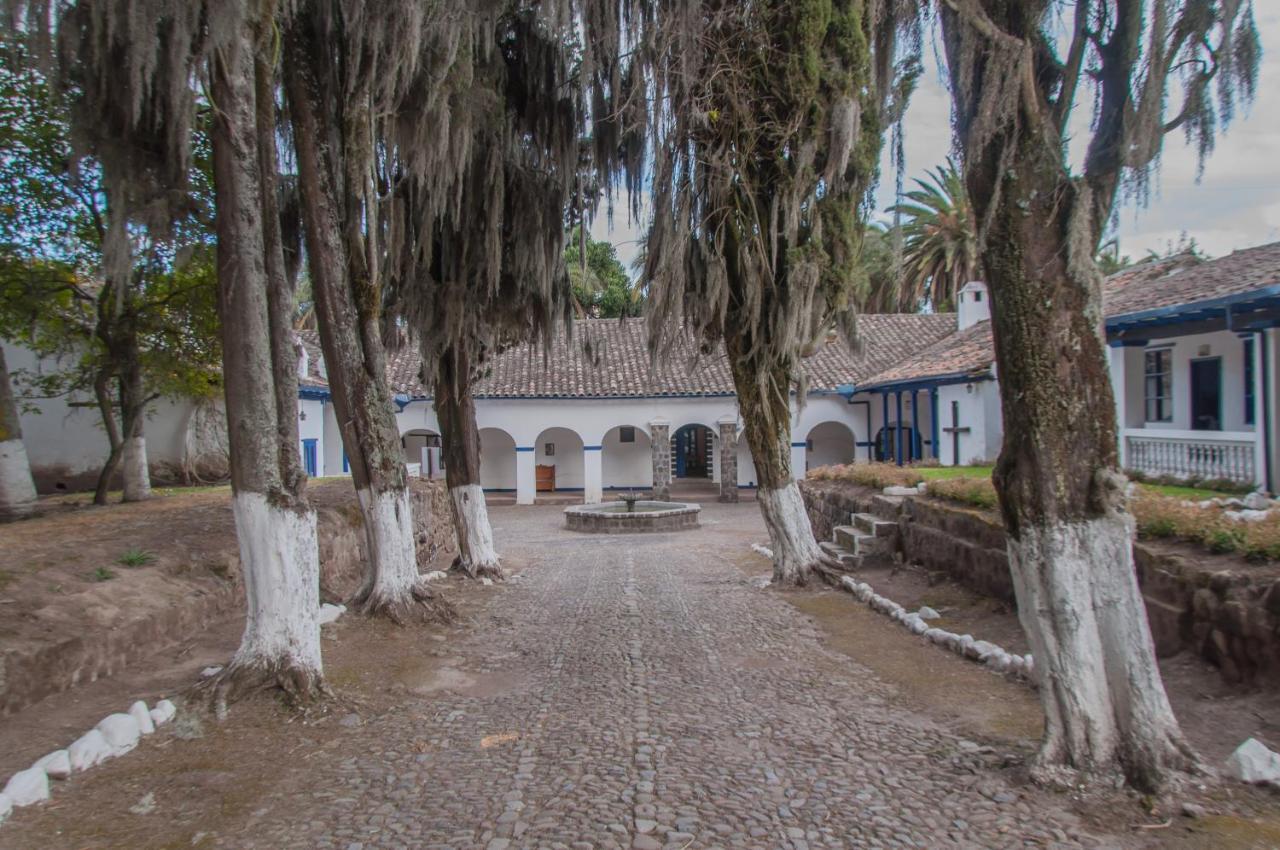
302	414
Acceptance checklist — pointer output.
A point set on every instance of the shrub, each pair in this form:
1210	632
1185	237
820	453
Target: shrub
1170	518
1220	485
135	558
975	492
103	574
877	475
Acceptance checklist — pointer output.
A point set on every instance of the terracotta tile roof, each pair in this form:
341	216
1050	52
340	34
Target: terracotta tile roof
609	358
314	379
1185	280
1169	282
966	352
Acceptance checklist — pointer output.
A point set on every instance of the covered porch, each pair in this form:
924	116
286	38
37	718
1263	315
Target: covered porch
1195	389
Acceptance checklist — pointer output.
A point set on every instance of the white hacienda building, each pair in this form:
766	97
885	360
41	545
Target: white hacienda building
1194	360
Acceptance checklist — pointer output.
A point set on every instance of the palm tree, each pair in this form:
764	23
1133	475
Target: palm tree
939	241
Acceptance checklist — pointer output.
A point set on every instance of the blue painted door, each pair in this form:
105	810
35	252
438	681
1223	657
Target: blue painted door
309	457
682	449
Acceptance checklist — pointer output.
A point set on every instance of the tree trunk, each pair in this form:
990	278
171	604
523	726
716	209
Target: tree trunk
107	410
456	410
133	408
1062	494
17	488
766	417
275	526
347	316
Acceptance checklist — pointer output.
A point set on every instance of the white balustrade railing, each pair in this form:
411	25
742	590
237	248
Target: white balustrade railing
1193	454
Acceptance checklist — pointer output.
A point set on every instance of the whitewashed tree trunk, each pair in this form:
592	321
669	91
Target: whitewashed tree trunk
477	556
137	474
1100	686
275	526
393	587
17	489
279	555
795	549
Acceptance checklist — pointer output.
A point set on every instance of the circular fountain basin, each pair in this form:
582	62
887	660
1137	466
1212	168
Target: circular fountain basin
614	518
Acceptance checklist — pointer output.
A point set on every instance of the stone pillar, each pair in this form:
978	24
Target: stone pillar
593	474
526	483
660	449
728	459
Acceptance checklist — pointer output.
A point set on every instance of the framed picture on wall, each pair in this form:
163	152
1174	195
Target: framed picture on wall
550	450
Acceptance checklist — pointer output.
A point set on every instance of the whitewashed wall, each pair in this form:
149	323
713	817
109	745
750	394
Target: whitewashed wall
979	412
64	437
312	427
1223	344
627	465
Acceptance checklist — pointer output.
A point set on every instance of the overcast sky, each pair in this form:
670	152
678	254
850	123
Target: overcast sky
1236	203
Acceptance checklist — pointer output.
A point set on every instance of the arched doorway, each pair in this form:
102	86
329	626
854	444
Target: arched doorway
497	460
422	447
829	443
628	459
887	445
558	460
693	452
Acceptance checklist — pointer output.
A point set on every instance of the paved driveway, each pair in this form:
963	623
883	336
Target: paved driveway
636	691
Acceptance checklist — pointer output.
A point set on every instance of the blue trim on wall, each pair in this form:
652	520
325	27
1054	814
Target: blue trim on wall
524	448
592	448
799	445
925	383
313	393
1265	296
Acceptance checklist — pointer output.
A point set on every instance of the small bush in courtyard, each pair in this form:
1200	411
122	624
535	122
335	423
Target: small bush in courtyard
877	475
975	492
1170	518
103	574
1220	485
135	558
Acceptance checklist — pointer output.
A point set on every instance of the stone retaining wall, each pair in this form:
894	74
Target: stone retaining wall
1230	617
187	603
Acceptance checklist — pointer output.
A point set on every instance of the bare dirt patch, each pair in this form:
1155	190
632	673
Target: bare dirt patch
208	777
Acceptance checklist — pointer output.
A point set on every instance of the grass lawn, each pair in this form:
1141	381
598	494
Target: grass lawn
1195	494
1177	491
934	473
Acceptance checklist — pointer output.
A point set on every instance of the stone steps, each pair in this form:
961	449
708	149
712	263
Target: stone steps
874	525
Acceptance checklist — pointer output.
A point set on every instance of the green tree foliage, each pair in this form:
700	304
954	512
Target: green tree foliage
601	286
939	241
154	327
877	289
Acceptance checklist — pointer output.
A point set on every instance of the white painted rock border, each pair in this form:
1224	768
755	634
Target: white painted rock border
993	657
115	735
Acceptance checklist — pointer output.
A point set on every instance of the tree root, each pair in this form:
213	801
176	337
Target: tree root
826	569
478	571
420	604
301	687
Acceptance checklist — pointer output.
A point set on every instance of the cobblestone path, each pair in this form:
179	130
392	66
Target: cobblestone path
635	691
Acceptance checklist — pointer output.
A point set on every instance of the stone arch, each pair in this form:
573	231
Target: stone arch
626	465
829	443
561	448
497	460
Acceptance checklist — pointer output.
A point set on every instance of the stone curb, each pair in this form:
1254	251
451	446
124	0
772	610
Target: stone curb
115	735
988	654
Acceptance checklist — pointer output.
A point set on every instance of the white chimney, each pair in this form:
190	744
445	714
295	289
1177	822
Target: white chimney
975	304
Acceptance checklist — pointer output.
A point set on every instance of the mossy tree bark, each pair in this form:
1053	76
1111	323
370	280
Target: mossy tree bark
275	525
456	410
1062	494
764	403
326	124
